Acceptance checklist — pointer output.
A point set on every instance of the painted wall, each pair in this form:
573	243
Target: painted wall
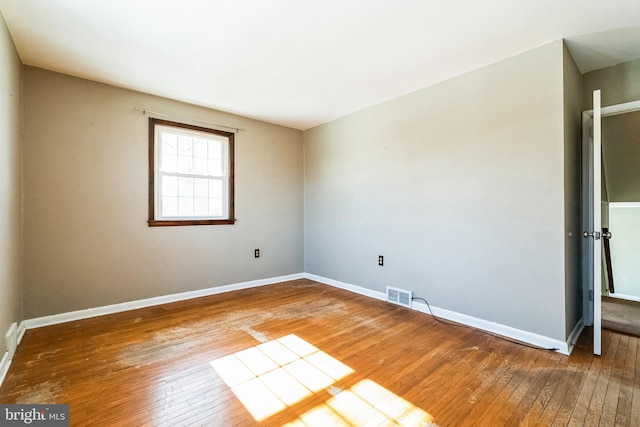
572	190
10	184
619	83
625	248
461	186
621	156
86	192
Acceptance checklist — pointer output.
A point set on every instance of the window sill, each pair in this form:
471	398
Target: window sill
173	223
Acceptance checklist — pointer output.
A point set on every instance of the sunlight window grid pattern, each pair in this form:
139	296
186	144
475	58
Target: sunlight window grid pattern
271	376
365	403
274	375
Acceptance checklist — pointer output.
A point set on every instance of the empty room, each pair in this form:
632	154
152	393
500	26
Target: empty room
219	213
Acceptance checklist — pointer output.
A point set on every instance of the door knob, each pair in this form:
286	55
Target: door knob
606	235
595	235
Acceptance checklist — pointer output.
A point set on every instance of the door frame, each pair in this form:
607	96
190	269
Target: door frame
591	307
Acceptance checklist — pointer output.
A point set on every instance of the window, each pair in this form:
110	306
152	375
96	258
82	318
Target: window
190	175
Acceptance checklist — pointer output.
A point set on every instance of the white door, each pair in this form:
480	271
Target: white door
593	232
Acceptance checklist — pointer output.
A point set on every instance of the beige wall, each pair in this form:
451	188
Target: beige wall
619	83
466	187
621	156
86	237
572	190
10	184
461	186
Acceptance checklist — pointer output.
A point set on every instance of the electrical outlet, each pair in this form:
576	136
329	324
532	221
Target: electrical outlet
256	253
380	260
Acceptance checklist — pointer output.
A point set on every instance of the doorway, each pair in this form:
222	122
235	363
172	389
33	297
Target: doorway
621	178
621	175
613	170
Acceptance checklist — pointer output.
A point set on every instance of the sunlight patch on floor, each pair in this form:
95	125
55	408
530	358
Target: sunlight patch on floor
277	374
271	376
366	403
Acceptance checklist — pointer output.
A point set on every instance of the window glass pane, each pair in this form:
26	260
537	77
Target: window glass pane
215	149
185	187
199	166
215	207
215	167
169	143
185	206
185	164
169	163
169	206
201	187
200	148
215	189
185	146
201	206
169	186
185	154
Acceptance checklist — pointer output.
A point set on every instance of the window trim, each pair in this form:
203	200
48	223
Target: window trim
153	222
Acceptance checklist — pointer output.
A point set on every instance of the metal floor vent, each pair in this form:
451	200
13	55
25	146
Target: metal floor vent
399	296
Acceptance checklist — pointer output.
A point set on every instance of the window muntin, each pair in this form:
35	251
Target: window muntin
191	174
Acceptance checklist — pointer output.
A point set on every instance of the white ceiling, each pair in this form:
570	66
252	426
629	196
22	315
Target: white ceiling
302	63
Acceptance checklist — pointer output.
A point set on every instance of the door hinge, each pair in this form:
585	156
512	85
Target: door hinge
590	295
591	131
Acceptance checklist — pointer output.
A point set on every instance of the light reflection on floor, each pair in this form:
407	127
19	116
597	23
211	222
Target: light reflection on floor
365	404
277	374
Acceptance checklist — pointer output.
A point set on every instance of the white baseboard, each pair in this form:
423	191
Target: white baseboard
11	339
625	297
22	328
507	331
575	334
16	332
4	366
474	322
149	302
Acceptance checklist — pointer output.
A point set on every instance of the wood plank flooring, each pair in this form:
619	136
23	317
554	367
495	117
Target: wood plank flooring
304	354
621	315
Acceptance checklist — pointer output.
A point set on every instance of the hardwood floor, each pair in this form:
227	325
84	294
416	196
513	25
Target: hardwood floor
621	315
302	353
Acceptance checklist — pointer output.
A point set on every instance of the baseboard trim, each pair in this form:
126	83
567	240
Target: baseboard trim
575	334
497	328
507	331
474	322
22	328
624	297
4	367
11	339
149	302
